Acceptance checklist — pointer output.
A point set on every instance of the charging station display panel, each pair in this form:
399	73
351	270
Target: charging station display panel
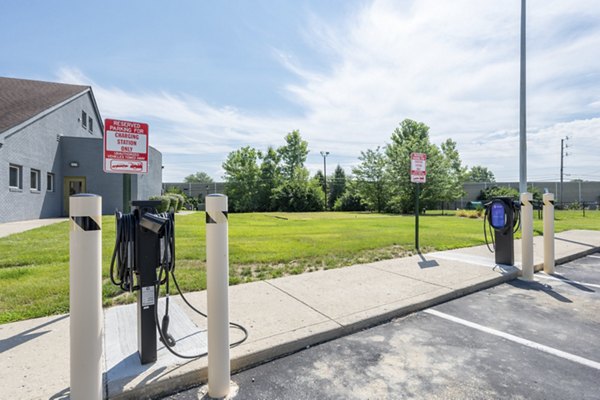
498	215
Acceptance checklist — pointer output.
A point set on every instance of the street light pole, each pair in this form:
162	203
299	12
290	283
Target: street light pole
325	154
562	156
522	119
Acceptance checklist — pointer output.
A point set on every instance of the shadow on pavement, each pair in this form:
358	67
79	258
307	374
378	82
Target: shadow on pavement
25	336
537	286
572	283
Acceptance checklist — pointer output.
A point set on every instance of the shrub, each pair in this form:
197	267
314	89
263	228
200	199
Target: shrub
165	202
469	213
299	196
497	191
349	201
180	200
174	201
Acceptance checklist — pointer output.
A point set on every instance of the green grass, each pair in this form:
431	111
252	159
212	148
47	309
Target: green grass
34	266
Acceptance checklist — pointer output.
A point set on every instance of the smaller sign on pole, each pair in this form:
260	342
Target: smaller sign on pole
418	174
125	147
418	167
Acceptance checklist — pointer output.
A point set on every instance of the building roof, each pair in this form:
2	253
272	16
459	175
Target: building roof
23	99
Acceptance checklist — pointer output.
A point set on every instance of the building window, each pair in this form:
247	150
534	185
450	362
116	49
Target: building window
83	119
15	180
35	180
50	182
90	124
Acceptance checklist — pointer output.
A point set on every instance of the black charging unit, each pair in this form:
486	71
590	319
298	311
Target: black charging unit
502	217
147	260
142	261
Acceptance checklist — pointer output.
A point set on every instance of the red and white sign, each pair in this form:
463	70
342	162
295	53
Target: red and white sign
418	167
125	147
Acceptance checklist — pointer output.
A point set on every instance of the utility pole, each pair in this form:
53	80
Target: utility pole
325	154
522	119
562	156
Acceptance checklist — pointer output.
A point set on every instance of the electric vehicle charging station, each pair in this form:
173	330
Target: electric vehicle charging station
501	221
144	260
145	244
147	251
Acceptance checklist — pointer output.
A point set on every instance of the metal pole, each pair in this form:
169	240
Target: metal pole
217	286
85	296
562	152
523	119
325	154
126	193
417	218
526	236
548	233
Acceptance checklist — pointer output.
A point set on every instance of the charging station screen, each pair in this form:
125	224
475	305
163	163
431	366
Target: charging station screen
498	217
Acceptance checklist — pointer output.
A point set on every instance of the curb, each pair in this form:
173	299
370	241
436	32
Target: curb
200	376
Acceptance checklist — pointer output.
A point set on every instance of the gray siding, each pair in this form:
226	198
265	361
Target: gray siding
148	185
50	144
87	152
37	146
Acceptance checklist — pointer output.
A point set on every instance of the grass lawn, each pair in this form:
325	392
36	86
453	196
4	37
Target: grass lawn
34	265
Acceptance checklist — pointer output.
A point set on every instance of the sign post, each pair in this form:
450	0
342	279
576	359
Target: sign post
125	152
418	174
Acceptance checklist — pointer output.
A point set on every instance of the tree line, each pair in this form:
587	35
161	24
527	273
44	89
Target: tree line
276	179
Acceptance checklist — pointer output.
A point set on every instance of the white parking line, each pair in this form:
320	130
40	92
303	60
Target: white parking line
565	280
593	256
516	339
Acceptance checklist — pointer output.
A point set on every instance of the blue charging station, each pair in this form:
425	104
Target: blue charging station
502	216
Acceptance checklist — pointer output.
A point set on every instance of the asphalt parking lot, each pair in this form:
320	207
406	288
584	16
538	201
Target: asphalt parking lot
520	340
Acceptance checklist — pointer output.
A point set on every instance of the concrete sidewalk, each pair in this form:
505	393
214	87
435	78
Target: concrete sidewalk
9	228
282	316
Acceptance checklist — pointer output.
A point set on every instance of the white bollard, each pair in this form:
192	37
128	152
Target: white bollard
217	287
85	280
549	233
526	236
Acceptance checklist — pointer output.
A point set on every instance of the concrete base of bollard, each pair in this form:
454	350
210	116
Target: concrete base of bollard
233	391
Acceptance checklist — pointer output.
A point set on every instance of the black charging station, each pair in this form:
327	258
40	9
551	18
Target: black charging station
142	261
502	216
147	260
139	252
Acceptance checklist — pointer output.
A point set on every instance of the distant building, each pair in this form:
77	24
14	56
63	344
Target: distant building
51	148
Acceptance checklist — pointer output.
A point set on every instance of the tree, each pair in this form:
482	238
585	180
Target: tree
319	177
413	137
270	179
338	186
293	155
480	174
198	177
351	200
299	195
452	184
242	175
371	179
296	192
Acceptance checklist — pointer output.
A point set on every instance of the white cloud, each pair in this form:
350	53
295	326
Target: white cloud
453	65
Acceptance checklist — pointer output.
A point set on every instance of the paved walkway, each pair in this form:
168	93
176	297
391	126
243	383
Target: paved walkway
282	316
9	228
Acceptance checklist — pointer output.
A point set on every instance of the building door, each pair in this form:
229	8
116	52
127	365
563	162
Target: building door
72	185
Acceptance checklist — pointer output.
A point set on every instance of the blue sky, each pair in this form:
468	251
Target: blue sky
210	77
